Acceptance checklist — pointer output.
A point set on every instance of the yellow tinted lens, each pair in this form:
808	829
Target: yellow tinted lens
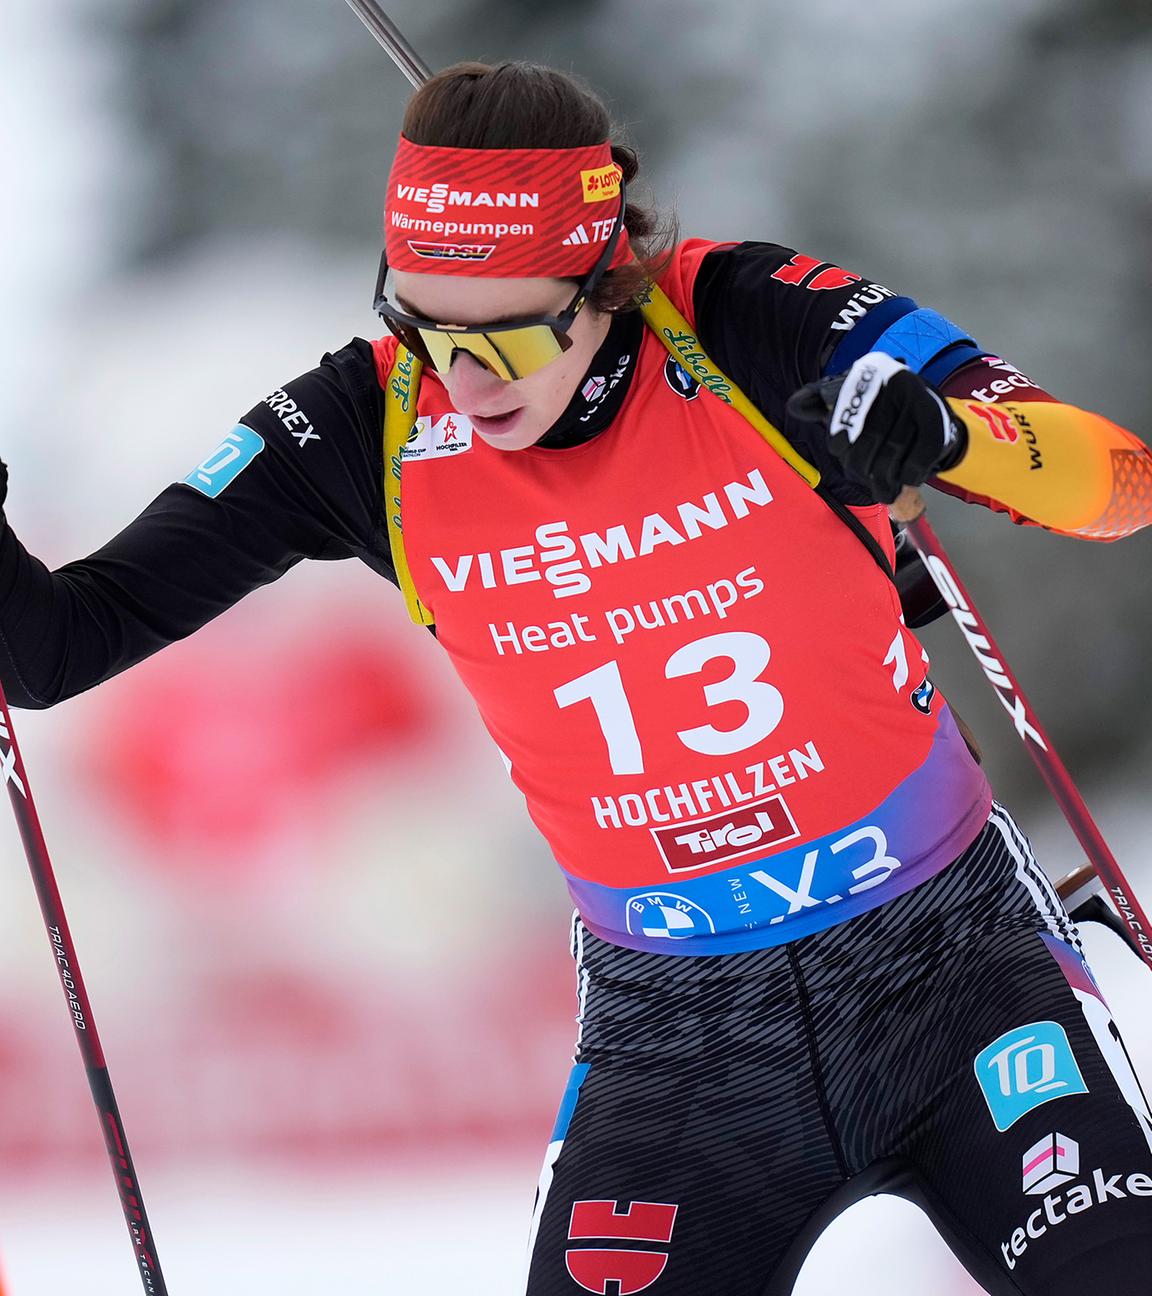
509	353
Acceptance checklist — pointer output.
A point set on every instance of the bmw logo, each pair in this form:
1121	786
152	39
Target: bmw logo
680	380
662	915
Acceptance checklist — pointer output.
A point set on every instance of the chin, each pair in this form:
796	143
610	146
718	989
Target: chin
519	438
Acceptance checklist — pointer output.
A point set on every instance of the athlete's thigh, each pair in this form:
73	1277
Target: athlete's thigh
678	1180
1038	1160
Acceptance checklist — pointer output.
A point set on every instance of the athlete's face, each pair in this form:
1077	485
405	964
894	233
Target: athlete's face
506	415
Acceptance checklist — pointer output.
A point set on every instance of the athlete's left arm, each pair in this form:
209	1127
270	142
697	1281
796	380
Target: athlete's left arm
777	320
1041	461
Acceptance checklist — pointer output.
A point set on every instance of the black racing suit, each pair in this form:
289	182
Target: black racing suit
722	1106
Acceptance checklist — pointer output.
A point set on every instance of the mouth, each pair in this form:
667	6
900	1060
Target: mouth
495	424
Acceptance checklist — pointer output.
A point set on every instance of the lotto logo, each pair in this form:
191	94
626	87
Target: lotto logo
1026	1068
601	183
1053	1161
702	843
612	1271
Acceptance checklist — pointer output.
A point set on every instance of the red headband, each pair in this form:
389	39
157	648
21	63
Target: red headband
509	213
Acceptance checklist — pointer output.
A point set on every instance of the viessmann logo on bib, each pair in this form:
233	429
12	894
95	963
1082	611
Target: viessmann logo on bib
564	560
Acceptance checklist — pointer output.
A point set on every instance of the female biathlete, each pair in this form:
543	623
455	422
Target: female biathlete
815	958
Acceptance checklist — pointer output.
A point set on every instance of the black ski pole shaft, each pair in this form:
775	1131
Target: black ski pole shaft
13	773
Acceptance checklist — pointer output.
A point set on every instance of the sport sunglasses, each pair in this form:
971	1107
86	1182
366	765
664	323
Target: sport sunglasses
511	349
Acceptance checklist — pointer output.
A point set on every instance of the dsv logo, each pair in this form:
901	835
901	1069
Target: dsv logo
613	1271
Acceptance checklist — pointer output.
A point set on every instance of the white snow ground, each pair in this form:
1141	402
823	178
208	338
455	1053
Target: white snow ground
437	1230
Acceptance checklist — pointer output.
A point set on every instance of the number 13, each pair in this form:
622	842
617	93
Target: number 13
749	655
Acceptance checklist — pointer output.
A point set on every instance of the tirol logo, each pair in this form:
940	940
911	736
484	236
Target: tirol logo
8	772
1054	1161
1026	1068
661	915
703	843
612	1271
448	435
680	380
452	251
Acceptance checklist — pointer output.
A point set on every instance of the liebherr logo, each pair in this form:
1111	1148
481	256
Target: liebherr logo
564	560
8	772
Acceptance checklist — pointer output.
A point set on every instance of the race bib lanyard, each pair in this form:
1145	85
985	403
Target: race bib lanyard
682	344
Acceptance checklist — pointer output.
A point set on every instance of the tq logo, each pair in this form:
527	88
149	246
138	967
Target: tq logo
612	1271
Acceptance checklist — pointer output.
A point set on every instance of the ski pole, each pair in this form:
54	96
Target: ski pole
13	773
390	37
909	510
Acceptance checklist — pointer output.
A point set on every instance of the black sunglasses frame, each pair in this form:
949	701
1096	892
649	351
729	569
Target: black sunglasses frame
559	324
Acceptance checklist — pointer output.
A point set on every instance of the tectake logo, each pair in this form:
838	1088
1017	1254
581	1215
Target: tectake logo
1051	1164
704	843
1054	1161
449	435
1026	1068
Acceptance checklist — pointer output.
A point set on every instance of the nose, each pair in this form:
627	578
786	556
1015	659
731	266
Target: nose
470	386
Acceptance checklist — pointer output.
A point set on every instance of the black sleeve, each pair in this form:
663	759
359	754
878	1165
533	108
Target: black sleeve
773	319
300	477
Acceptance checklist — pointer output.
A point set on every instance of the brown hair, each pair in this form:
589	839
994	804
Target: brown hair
524	105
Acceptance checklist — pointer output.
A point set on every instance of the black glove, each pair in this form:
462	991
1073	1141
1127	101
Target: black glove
884	424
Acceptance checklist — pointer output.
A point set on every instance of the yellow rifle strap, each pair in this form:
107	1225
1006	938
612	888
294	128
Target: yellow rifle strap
399	420
684	346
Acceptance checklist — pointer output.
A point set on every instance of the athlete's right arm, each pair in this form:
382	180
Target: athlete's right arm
298	478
